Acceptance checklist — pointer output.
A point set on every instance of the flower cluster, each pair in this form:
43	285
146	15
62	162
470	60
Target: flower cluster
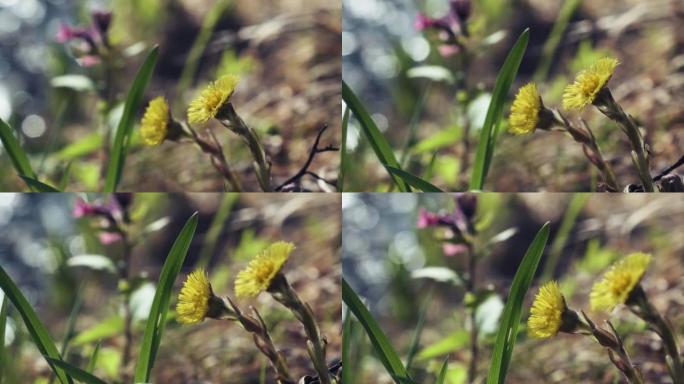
196	301
89	43
549	314
112	215
448	27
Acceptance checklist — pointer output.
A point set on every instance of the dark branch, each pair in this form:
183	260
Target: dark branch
676	165
312	154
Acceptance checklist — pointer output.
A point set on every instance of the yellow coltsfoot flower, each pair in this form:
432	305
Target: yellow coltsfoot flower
154	125
619	281
205	106
261	271
194	298
525	111
546	314
588	83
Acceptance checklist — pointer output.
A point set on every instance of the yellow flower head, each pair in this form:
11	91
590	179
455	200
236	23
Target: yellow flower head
155	122
588	83
619	281
525	110
258	275
205	106
193	300
547	311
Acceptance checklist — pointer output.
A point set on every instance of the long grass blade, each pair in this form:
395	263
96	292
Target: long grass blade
39	186
418	333
485	147
14	151
384	349
551	45
217	224
413	180
347	337
92	362
3	324
35	327
157	319
579	200
77	373
124	130
441	378
212	18
343	150
510	320
377	141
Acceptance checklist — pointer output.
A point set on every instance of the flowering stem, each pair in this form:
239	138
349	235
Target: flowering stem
218	159
608	106
590	146
263	341
282	291
647	312
231	120
616	349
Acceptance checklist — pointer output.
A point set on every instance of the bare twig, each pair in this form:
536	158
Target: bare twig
669	169
312	154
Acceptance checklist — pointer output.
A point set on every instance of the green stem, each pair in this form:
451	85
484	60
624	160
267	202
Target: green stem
608	106
647	312
229	118
282	291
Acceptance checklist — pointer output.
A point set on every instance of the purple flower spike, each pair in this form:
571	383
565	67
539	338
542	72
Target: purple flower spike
82	209
102	20
451	249
107	238
461	8
427	219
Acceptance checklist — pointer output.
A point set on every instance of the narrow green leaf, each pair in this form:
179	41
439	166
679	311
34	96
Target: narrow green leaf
3	324
485	147
14	151
346	348
414	180
560	238
415	343
92	362
77	373
71	323
124	130
343	150
64	181
384	349
38	186
377	141
442	372
213	16
510	320
157	318
35	327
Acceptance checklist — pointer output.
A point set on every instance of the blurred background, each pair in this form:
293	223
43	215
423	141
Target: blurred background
62	101
430	98
403	271
64	267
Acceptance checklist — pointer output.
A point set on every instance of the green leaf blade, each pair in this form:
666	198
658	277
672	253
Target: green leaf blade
388	356
16	154
37	330
504	80
39	186
413	180
124	129
377	141
157	318
510	320
77	373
